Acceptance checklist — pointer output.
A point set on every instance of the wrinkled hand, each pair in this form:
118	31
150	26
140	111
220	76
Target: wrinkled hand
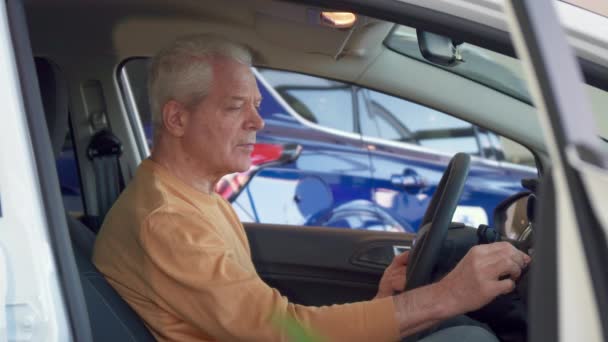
485	272
393	279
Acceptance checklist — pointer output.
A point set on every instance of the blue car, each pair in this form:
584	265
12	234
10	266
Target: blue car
334	154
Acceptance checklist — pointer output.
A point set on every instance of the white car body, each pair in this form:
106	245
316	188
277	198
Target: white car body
33	306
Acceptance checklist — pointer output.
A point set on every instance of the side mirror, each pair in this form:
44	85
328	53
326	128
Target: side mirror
438	49
513	216
291	152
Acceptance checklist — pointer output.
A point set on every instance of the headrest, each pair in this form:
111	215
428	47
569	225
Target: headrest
54	92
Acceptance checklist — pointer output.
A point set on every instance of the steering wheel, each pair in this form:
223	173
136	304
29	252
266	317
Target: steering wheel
436	221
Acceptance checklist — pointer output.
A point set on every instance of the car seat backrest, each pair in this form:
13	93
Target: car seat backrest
112	319
54	93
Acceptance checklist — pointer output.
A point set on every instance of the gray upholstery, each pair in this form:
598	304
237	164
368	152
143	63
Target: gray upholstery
111	317
54	93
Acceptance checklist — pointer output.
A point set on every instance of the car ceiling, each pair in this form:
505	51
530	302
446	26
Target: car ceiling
94	35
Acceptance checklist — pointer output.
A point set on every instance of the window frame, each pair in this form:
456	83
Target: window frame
130	106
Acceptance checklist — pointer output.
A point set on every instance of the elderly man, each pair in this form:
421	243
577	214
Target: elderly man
177	253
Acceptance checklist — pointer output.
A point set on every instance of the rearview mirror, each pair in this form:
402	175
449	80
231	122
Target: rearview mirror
438	49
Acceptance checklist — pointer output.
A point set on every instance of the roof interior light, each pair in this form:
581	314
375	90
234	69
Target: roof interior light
338	19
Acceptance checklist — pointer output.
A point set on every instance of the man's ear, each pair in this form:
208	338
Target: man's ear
175	118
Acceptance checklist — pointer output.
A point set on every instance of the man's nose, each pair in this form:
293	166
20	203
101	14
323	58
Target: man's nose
255	121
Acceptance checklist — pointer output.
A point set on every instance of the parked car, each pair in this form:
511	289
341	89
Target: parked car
382	154
49	288
375	154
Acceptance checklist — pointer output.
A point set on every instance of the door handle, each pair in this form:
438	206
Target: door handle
398	249
410	179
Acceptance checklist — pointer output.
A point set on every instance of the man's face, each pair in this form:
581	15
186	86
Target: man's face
222	129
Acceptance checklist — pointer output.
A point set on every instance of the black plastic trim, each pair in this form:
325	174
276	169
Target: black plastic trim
49	184
543	303
76	158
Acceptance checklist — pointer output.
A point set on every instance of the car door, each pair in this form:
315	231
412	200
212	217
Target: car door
567	287
41	297
323	266
569	291
346	261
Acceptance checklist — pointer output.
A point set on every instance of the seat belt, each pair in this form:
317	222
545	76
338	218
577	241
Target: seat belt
105	150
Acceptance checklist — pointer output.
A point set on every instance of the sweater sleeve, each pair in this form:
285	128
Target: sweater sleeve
193	272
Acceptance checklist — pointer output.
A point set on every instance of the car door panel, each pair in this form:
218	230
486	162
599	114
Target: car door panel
572	279
322	266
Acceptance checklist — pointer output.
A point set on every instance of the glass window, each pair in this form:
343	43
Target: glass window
453	145
487	67
392	118
329	107
340	180
318	100
515	153
492	69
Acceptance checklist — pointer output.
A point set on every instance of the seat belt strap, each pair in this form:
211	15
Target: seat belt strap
104	151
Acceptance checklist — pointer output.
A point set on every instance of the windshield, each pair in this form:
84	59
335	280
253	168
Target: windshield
492	69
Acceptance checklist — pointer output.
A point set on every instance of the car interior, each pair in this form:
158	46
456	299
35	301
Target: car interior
81	46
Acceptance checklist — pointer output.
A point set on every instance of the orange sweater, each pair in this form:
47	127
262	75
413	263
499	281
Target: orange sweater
181	259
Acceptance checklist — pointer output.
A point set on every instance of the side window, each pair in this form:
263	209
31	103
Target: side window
515	153
391	118
324	102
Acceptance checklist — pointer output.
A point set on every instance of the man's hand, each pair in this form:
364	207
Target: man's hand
393	279
485	272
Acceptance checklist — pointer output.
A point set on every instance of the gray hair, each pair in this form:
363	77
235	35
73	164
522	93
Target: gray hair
182	70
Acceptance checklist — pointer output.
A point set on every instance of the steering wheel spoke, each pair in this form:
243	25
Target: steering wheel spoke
436	222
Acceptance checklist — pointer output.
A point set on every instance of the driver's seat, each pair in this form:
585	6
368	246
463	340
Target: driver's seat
111	317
